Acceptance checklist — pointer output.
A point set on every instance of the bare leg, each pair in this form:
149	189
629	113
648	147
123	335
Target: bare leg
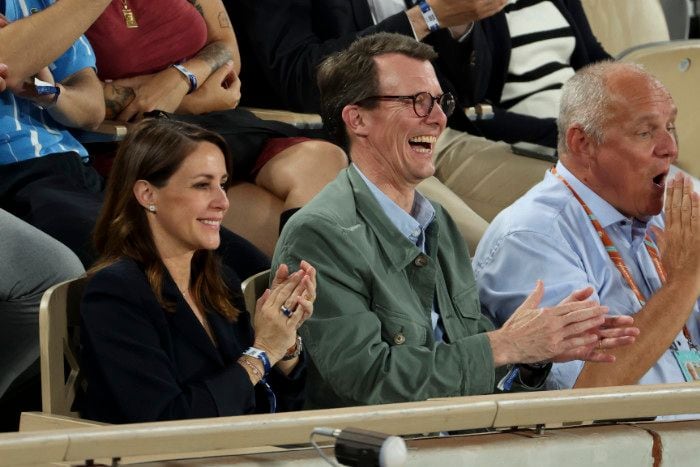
254	215
296	174
289	180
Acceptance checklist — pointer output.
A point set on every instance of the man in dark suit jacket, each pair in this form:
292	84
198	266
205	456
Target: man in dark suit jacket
282	42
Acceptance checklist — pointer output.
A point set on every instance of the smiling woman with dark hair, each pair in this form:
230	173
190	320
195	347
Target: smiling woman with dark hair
164	334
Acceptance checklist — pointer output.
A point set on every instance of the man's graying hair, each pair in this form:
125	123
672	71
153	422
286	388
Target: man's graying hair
587	101
350	76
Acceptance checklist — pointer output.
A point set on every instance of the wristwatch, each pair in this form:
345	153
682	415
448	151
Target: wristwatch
294	351
537	366
260	355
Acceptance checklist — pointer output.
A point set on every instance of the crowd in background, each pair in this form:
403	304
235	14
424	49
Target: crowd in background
192	62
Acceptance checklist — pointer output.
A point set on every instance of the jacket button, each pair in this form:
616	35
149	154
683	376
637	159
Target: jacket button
399	339
420	261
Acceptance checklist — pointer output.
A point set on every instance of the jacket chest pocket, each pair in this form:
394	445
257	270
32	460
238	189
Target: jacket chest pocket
400	329
468	312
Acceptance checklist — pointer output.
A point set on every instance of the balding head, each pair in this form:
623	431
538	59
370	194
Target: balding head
592	97
617	135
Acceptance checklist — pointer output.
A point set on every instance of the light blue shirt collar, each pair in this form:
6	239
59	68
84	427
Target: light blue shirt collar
634	229
604	211
413	225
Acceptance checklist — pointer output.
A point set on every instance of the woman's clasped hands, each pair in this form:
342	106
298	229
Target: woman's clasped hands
282	309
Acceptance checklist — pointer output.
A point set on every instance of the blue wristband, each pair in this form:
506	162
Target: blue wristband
43	88
429	16
506	383
189	75
260	355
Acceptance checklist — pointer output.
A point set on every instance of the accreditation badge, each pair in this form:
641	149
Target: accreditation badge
689	361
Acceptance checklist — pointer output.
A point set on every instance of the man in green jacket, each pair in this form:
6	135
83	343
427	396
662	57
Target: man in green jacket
397	312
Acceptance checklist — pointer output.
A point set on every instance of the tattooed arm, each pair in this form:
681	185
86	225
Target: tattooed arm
221	39
116	99
167	89
221	90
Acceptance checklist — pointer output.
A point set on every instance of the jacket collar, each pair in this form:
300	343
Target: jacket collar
388	236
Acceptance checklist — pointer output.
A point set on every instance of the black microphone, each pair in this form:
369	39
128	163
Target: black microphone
365	448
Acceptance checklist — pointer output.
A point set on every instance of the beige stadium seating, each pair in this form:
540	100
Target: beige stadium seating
59	319
621	24
253	287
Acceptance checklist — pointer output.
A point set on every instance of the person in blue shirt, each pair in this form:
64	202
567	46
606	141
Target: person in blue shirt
34	122
596	220
43	178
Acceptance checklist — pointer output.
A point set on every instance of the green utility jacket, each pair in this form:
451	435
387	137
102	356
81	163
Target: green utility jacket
370	339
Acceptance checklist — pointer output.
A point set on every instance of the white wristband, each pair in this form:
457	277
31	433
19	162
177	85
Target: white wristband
191	78
429	16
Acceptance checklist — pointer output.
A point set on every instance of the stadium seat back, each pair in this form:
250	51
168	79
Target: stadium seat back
253	287
677	65
621	24
59	337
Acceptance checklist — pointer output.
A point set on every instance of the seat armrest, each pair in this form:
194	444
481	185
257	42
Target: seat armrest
108	131
299	120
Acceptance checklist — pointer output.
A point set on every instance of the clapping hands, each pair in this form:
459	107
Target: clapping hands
576	329
283	308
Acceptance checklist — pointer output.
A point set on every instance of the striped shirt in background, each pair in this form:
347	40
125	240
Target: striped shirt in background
542	43
382	9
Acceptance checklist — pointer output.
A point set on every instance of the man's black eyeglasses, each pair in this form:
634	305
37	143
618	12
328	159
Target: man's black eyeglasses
423	102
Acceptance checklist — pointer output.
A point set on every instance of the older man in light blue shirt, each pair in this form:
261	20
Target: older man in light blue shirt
616	144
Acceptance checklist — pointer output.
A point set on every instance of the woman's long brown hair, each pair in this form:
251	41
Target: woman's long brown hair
153	150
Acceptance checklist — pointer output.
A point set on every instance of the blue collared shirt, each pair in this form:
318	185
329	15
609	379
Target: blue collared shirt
27	131
412	226
547	235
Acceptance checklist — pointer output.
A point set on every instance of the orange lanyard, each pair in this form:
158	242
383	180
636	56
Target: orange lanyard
616	257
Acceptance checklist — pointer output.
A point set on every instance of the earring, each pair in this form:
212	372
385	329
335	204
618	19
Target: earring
152	207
